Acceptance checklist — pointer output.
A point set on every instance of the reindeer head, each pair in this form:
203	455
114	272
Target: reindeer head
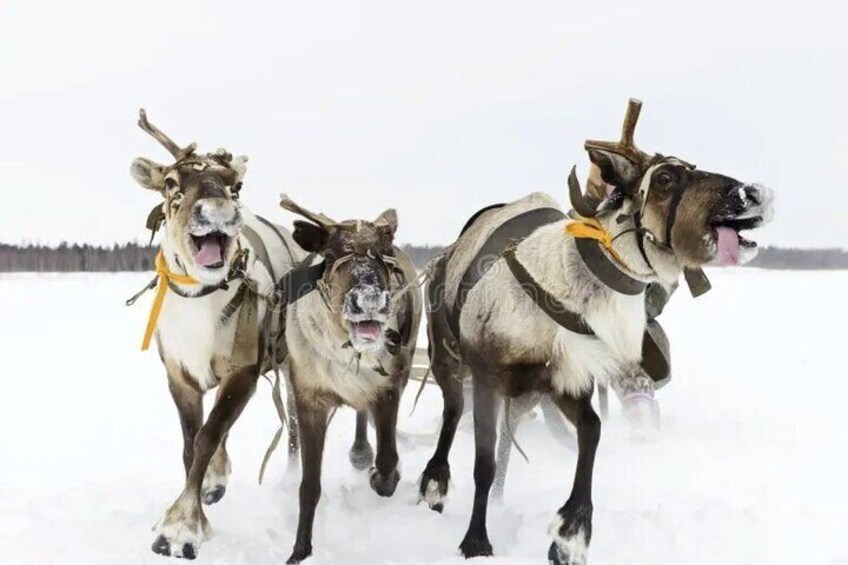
360	261
200	211
694	216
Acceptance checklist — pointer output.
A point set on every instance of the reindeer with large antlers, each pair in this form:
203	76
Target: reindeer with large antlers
214	317
350	342
530	301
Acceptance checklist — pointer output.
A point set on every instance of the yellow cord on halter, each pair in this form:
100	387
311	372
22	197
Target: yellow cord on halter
590	228
165	275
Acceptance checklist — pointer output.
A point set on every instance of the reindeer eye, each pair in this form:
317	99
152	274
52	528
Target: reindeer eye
170	183
664	179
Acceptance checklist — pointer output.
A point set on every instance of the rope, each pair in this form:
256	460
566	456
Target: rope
164	276
507	405
590	228
277	396
420	390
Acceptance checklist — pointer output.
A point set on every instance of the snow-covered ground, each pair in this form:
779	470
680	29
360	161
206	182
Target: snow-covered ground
750	466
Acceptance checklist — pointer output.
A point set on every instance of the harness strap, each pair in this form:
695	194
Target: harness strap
272	337
514	229
280	235
605	270
300	281
259	248
547	302
294	285
205	291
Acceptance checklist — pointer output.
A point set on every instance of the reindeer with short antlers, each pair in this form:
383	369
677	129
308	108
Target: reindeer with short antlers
529	301
213	317
350	342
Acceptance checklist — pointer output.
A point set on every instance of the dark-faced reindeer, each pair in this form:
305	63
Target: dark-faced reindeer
529	301
211	318
351	342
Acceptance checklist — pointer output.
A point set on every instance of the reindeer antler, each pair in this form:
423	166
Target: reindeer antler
579	201
625	145
288	204
174	149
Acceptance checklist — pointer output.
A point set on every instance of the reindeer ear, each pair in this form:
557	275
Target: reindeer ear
616	169
387	222
310	237
148	174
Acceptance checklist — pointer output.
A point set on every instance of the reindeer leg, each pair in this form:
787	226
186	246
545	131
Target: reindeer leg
384	476
476	541
556	425
572	526
518	407
215	481
434	482
313	429
189	402
361	454
184	526
293	443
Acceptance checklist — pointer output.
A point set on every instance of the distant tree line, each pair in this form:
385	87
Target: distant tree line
69	258
787	258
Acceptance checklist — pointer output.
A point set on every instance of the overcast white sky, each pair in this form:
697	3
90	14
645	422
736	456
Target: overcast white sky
435	108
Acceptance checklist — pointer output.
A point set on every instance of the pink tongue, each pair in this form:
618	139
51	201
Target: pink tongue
368	330
728	246
209	253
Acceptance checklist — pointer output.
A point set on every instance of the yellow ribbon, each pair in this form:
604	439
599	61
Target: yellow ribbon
165	275
590	228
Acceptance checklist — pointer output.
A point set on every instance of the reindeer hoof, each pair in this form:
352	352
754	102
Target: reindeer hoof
213	495
475	547
642	413
361	456
433	488
182	531
572	531
559	555
556	556
163	547
299	554
384	485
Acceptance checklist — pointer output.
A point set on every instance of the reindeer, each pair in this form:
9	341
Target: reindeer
352	342
217	267
530	302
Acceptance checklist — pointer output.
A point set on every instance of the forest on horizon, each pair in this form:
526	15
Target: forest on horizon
69	258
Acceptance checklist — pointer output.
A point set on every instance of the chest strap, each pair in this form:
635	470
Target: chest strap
512	230
604	269
547	302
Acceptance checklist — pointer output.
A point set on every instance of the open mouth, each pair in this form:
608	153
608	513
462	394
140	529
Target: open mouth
209	249
366	331
730	245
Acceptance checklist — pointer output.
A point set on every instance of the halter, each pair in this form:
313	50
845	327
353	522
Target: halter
627	149
387	262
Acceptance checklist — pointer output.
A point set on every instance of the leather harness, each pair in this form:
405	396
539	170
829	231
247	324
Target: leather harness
502	243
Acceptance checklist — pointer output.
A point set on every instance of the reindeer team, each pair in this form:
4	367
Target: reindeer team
529	301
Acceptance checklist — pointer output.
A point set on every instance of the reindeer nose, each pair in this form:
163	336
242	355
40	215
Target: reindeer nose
367	301
753	194
216	211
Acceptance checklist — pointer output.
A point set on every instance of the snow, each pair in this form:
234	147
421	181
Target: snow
749	467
